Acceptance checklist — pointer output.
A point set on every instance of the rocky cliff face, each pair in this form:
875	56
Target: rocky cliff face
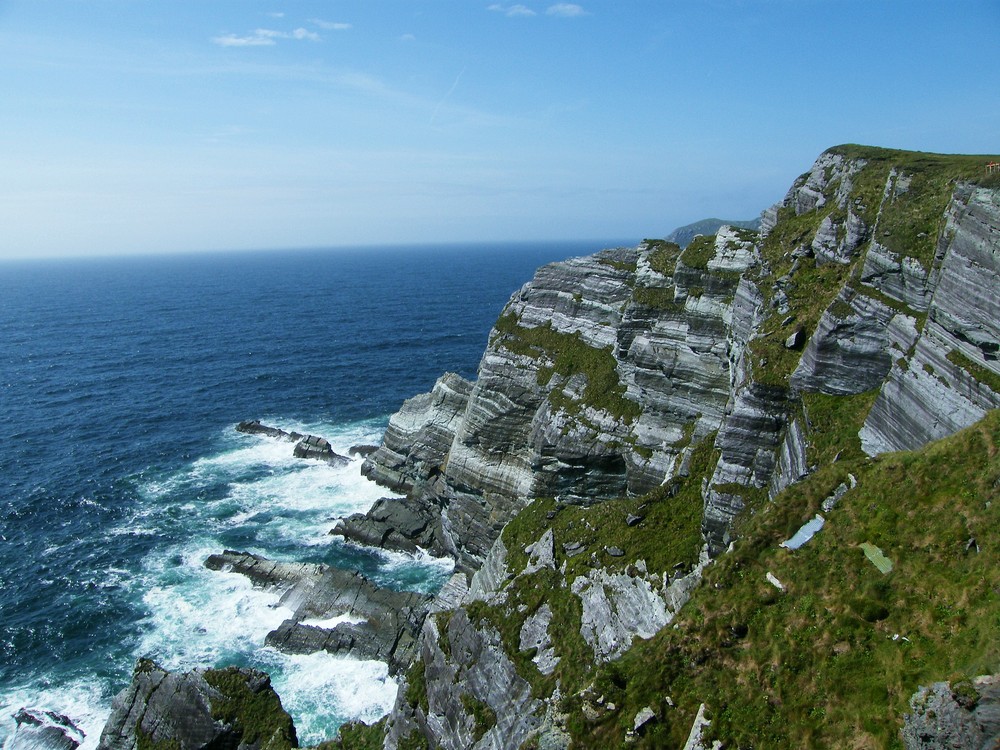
703	376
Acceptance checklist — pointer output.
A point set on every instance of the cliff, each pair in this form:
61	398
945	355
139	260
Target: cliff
741	492
671	404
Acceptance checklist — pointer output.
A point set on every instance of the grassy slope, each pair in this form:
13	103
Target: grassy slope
818	666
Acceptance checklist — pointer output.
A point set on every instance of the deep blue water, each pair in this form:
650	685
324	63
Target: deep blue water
120	384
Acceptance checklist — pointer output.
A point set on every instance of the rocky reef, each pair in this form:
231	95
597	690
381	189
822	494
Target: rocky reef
648	429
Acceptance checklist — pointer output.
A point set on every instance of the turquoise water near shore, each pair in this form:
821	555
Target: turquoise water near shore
121	381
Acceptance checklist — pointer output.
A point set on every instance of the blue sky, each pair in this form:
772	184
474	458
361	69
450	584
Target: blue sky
135	126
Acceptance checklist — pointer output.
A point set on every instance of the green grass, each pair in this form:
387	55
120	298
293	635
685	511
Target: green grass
416	686
568	355
699	252
817	666
669	534
811	290
258	716
357	735
144	741
663	256
657	297
483	717
618	265
985	376
911	222
834	423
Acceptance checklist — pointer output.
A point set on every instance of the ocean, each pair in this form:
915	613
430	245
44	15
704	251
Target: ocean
121	382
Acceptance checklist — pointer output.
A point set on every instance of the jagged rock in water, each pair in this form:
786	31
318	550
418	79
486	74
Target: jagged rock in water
398	523
198	710
388	621
946	717
319	449
254	427
43	730
306	446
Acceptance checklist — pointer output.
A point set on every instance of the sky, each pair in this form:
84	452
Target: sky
141	126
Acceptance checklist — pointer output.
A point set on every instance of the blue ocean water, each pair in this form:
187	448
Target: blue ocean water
121	381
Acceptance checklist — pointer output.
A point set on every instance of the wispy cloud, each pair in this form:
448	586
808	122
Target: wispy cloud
445	98
264	38
407	38
330	25
512	11
566	10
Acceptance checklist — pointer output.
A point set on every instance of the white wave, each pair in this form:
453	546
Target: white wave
82	701
321	691
331	622
405	562
198	617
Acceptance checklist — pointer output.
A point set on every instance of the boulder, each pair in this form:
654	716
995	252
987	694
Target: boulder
228	708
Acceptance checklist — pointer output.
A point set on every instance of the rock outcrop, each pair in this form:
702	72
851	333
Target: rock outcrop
337	611
227	708
43	730
960	717
306	446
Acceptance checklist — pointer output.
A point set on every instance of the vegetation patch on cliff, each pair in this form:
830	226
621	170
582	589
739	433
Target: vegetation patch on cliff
668	534
257	714
984	375
569	355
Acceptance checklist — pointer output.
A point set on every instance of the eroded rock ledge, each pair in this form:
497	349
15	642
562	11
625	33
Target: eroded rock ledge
378	623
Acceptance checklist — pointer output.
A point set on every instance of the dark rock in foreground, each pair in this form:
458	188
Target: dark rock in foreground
223	709
386	622
401	524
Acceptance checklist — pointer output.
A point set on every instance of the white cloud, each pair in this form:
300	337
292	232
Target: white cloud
264	38
276	14
566	10
330	25
254	40
300	33
407	38
512	10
